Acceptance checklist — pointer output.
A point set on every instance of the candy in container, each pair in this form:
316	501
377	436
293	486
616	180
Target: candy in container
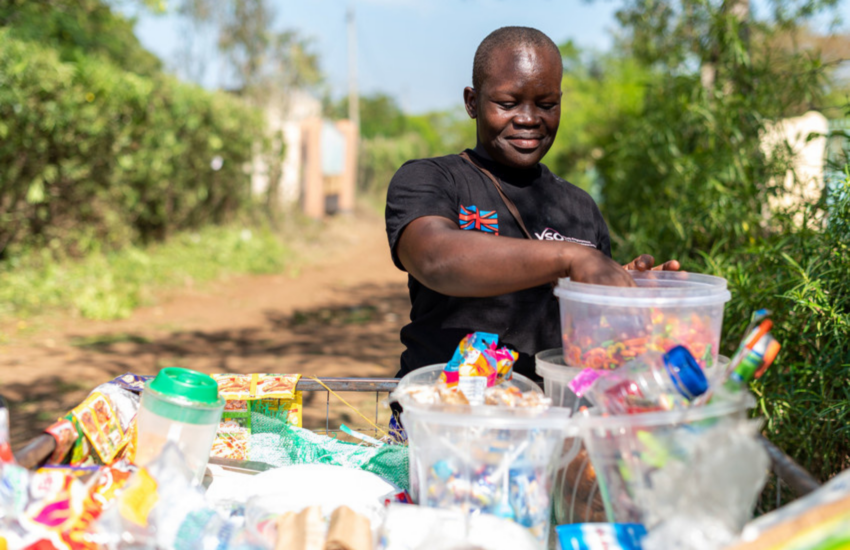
605	327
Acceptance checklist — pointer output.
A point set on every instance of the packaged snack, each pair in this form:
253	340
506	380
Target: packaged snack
601	536
284	409
234	386
124	402
132	382
467	352
65	435
100	424
277	386
269	394
505	360
81	453
234	431
513	397
131	440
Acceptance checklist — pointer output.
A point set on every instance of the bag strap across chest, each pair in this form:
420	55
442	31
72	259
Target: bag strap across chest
508	202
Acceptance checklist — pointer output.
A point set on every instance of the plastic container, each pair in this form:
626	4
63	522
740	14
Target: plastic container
183	406
604	327
556	375
627	450
485	459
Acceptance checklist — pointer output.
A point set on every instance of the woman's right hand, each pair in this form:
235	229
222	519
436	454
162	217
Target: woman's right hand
593	267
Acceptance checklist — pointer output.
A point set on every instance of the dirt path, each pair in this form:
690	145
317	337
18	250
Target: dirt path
337	312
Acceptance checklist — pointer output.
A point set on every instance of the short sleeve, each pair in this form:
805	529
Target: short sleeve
603	238
419	188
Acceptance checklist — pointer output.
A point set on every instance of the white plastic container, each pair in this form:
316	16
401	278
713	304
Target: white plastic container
485	459
605	326
182	406
556	376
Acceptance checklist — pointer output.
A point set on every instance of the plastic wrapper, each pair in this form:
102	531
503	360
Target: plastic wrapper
409	527
812	522
162	507
705	487
272	395
477	364
601	536
101	426
124	402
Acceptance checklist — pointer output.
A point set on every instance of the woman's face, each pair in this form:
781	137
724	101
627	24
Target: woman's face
518	107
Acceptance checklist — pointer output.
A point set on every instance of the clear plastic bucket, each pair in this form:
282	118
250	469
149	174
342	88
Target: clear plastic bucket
485	459
605	326
556	376
627	450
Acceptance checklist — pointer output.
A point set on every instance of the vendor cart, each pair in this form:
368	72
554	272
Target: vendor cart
787	476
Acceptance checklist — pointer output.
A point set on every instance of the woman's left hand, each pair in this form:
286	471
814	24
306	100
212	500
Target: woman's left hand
645	262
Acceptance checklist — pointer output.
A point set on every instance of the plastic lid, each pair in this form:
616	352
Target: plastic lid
188	384
686	374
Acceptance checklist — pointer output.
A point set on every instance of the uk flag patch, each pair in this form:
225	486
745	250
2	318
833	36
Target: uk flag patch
470	218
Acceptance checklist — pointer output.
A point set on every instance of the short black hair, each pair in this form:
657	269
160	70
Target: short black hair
507	37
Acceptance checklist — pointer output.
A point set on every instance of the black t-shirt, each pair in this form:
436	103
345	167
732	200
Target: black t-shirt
552	209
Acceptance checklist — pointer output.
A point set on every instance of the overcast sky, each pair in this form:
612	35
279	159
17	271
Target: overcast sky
419	51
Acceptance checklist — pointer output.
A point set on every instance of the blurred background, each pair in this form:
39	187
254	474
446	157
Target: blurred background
201	182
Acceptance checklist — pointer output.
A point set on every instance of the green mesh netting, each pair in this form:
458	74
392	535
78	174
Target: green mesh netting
276	442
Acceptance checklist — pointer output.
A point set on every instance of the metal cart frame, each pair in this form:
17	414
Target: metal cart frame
801	482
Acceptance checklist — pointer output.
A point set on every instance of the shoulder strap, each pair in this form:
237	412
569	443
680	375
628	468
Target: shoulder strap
508	202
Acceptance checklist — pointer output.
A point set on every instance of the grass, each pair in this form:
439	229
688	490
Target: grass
111	285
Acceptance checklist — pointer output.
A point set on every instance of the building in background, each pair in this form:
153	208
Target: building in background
319	167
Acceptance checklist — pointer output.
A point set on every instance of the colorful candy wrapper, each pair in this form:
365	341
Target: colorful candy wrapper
467	352
65	435
504	359
100	424
132	382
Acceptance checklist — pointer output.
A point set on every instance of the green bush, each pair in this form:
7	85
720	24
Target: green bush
92	156
801	275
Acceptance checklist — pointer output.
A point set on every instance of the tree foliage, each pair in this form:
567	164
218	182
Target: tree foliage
688	174
262	60
78	27
93	156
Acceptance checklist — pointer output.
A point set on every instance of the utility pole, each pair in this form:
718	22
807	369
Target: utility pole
353	96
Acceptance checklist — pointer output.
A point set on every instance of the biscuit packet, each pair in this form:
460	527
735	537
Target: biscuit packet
101	426
234	431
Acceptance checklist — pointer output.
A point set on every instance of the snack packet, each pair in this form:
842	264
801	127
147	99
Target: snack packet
234	431
467	353
100	424
270	394
504	359
65	435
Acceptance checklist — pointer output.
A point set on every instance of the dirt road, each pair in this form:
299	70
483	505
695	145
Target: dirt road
337	312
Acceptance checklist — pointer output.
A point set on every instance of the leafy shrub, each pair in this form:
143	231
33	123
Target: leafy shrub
94	156
800	274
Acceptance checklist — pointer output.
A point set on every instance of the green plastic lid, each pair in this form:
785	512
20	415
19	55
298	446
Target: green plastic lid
188	384
183	395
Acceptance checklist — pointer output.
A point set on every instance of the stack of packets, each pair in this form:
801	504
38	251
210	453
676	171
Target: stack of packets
102	429
475	376
272	395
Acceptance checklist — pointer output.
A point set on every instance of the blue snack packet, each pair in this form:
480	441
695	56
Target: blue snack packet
601	536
